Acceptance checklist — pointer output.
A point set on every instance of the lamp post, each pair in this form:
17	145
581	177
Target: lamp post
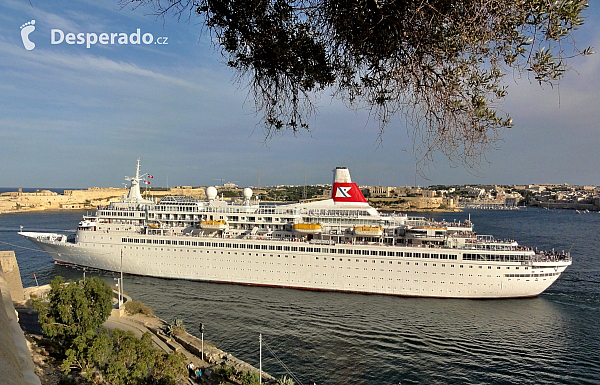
202	336
121	291
118	290
260	358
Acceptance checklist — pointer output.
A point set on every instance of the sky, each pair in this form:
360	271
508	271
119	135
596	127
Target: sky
77	117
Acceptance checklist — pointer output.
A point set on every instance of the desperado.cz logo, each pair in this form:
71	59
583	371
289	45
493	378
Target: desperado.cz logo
26	29
57	36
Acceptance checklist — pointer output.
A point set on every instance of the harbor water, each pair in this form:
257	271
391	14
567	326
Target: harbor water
338	338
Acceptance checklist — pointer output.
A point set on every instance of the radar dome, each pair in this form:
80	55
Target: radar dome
211	193
247	193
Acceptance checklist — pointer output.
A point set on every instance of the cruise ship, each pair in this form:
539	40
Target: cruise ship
338	244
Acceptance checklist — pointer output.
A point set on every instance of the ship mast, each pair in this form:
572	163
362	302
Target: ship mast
134	189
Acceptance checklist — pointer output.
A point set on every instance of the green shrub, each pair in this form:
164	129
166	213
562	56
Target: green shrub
250	378
226	371
285	380
175	327
137	307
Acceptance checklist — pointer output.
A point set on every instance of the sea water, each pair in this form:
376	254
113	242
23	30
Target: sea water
337	338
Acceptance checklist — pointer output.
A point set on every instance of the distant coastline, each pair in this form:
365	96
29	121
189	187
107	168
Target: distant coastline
403	199
33	199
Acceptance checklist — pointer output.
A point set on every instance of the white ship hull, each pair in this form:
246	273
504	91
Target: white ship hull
261	246
401	276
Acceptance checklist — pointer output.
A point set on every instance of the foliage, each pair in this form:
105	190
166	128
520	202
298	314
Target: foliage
231	193
285	380
439	64
138	307
169	368
73	317
249	378
86	350
75	310
226	371
121	358
175	327
292	193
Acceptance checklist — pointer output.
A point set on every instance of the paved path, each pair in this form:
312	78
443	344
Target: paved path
137	329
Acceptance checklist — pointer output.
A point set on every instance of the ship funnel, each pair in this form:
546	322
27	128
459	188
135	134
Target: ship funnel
343	190
341	175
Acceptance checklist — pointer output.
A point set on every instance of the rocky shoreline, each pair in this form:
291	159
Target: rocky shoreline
191	346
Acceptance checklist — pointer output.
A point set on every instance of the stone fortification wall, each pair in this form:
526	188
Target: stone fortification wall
95	193
198	193
81	199
70	199
12	276
16	366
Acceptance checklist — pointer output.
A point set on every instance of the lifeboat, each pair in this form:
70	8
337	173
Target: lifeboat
308	228
154	225
218	224
368	231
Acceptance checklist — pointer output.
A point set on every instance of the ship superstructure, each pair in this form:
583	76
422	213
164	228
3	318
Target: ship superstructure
336	244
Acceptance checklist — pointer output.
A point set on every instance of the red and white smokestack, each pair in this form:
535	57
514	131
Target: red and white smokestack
343	189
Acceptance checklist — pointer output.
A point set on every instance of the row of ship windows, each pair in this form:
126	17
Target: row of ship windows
380	278
531	275
119	214
380	253
496	258
399	279
364	261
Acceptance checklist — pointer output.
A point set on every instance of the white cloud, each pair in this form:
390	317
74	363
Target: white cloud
88	63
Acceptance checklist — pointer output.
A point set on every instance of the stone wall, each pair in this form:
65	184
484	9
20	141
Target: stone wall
10	268
81	199
16	366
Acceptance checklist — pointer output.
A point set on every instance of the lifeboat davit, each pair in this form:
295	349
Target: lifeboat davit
308	228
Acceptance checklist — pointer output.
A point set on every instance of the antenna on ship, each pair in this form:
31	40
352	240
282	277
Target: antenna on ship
134	189
304	191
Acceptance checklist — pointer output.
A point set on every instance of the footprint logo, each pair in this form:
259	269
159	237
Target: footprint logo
26	29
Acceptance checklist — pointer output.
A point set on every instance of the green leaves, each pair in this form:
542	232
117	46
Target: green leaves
75	309
73	317
439	64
